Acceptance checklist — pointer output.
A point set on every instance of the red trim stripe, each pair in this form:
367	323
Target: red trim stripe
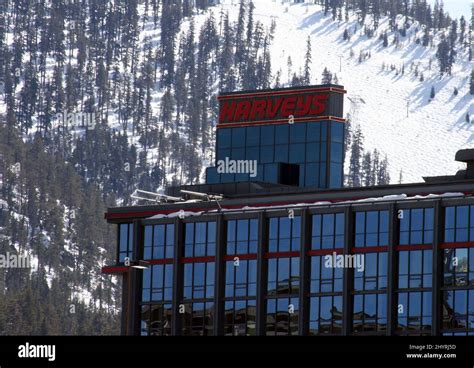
324	252
369	249
414	247
241	257
160	261
114	269
281	254
278	121
457	245
197	259
280	93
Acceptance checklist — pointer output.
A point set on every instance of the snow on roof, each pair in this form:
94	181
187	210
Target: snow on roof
387	198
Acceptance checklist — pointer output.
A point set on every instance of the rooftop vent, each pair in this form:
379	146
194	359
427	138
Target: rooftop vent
467	156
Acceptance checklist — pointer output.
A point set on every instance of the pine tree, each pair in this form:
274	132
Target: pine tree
357	149
383	177
367	175
385	39
444	56
345	35
471	83
326	77
307	63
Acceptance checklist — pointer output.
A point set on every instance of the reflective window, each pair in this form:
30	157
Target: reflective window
371	229
416	226
298	133
224	138
370	313
284	234
283	275
156	319
200	239
159	241
242	236
125	242
372	271
459	224
458	309
459	266
198	319
327	231
253	136
199	280
300	143
240	318
415	269
282	316
158	283
325	316
337	132
241	278
414	311
325	279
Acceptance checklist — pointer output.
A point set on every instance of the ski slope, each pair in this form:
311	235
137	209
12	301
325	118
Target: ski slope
422	142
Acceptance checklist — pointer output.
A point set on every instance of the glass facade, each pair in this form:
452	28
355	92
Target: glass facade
241	277
125	242
278	274
157	280
371	229
458	275
316	147
198	308
284	243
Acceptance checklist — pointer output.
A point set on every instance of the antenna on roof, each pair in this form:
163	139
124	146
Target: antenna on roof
203	196
143	195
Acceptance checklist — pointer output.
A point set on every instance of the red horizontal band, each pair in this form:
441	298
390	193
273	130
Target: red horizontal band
280	121
282	254
160	261
457	245
197	259
114	269
241	257
414	247
280	93
369	249
323	252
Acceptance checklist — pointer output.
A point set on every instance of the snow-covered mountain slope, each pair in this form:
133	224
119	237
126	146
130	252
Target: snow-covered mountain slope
421	144
456	8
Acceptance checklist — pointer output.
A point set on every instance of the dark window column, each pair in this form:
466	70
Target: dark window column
437	269
348	277
392	271
305	274
261	273
125	293
219	276
133	283
177	276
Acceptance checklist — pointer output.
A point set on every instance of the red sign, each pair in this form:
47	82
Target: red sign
271	108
